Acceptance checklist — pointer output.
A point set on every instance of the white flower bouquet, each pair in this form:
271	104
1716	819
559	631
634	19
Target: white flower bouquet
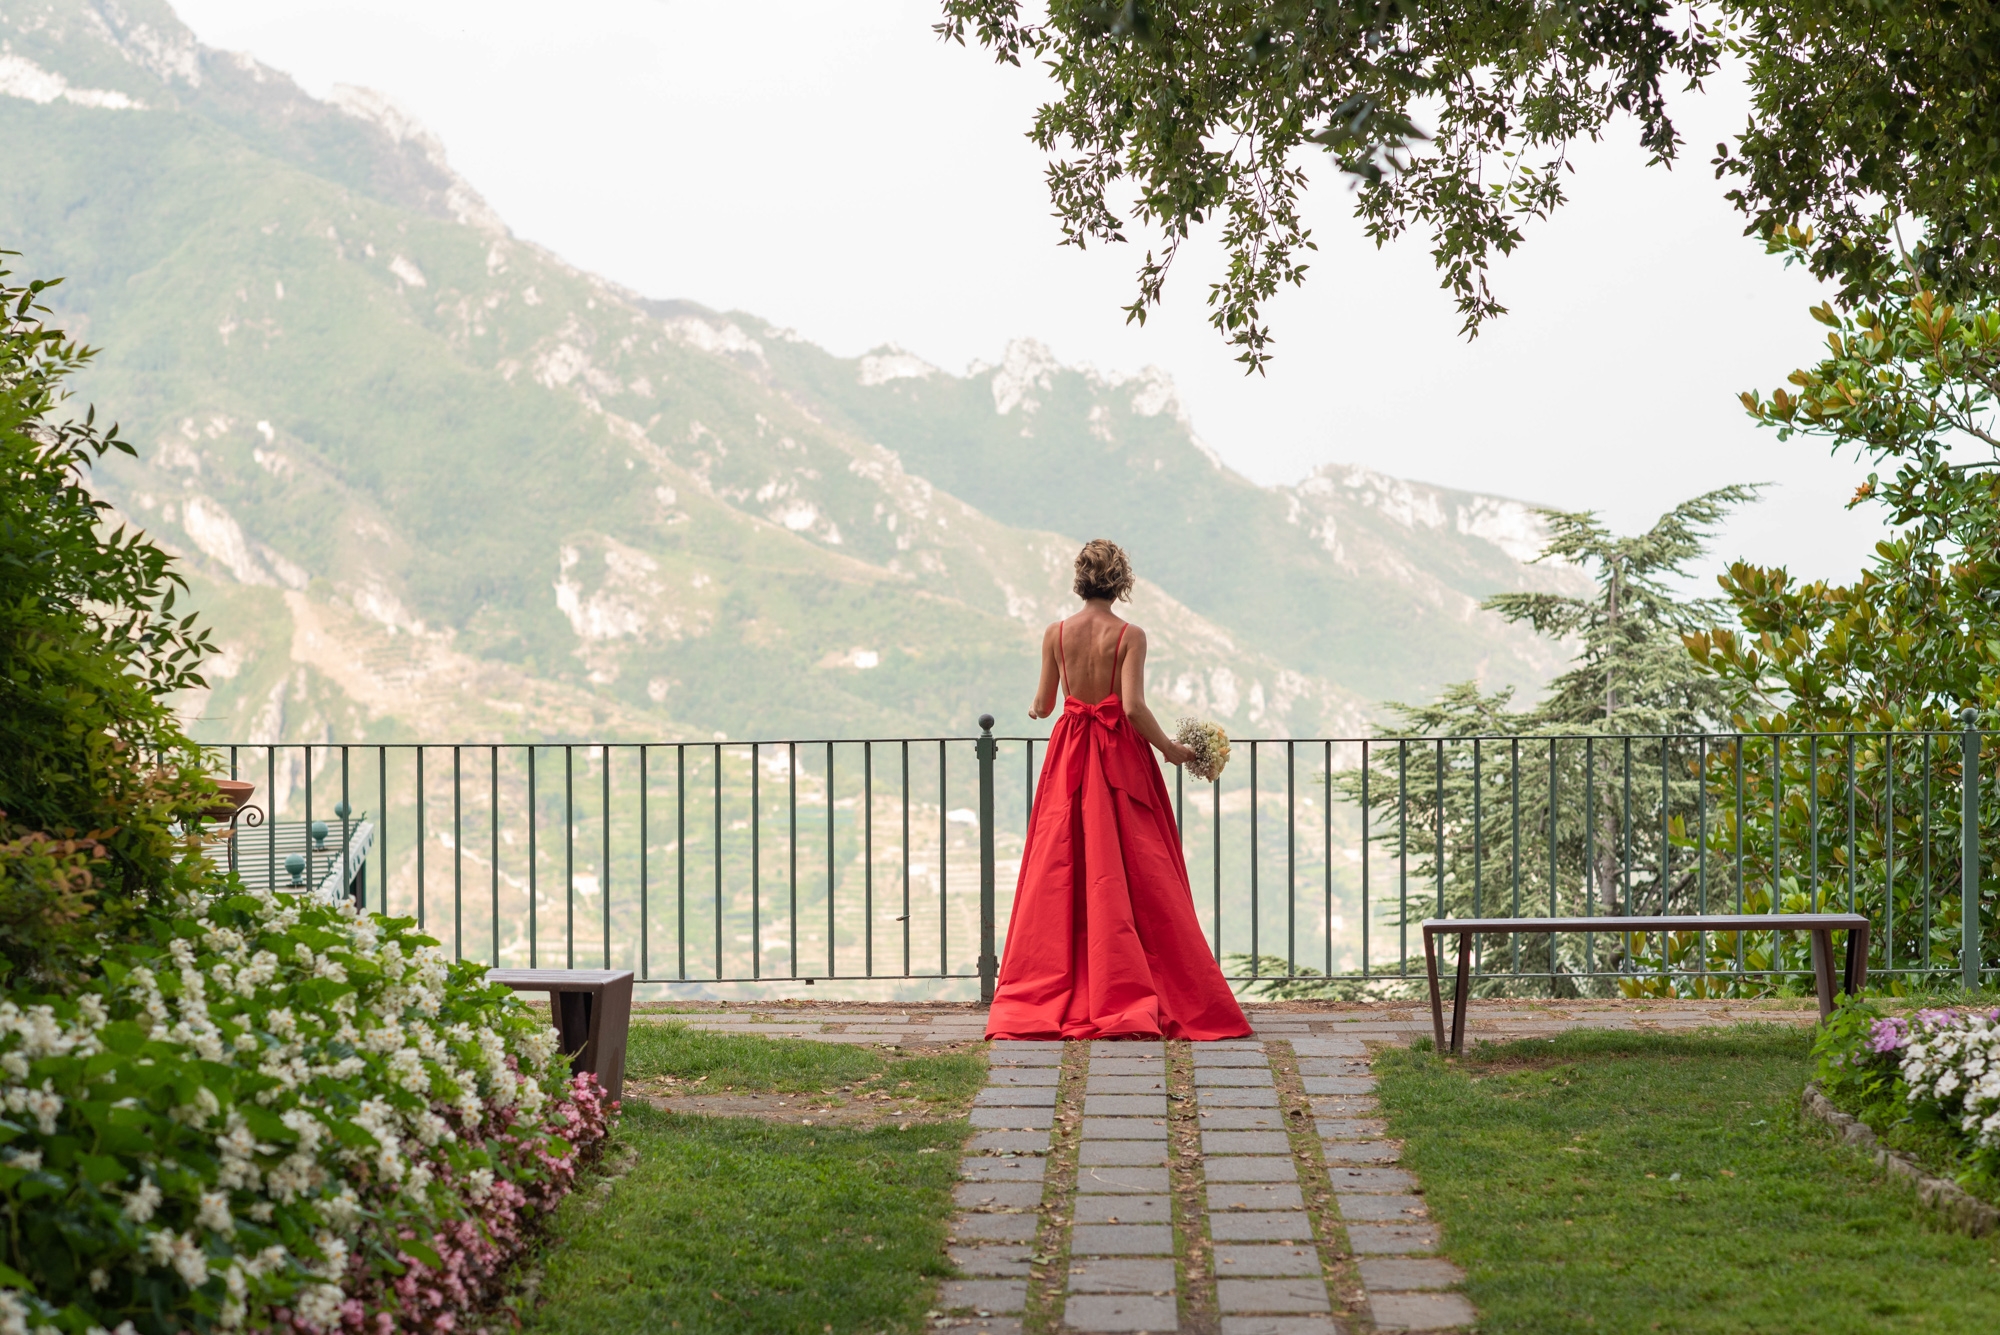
1210	745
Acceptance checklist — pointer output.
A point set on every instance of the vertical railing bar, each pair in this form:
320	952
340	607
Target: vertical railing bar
718	858
1852	889
868	859
1291	861
346	814
458	852
1553	835
1478	842
1256	940
1736	747
1367	907
792	851
1926	957
645	909
1590	850
1215	859
681	860
1403	858
534	865
381	821
906	859
423	836
1701	850
756	861
1437	843
569	856
604	870
1514	846
311	879
1812	823
1326	856
832	964
1666	857
493	820
271	826
1180	806
1889	850
944	860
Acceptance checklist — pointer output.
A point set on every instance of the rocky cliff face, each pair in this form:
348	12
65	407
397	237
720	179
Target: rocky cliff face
434	482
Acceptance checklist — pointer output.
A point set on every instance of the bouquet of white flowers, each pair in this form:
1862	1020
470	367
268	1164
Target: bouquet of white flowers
1210	745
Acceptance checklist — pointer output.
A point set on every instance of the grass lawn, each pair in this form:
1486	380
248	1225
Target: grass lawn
689	1060
1551	1166
760	1226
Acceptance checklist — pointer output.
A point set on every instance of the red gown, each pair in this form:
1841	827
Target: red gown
1104	942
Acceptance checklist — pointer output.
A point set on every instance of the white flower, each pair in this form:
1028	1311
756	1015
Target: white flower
139	1205
28	1161
214	1212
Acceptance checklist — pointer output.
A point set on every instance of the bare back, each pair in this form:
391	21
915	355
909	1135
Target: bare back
1090	650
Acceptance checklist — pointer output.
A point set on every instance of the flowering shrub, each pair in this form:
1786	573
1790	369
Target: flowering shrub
277	1114
1938	1068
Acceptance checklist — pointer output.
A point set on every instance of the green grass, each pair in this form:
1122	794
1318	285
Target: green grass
738	1226
728	1062
1549	1165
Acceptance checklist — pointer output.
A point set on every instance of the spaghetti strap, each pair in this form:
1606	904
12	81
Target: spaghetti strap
1062	664
1116	650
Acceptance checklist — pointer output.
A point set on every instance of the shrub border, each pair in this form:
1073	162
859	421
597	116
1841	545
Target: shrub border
1960	1208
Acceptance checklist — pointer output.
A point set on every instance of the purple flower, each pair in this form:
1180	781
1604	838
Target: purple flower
1890	1035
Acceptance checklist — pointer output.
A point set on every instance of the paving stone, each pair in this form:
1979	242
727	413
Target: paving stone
1124	1128
1005	1045
1131	1152
1347	1178
1272	1295
1124	1105
1121	1240
1022	1075
1013	1119
1339	1084
1127	1048
1018	1168
994	1228
1035	1096
1280	1325
1409	1272
978	1325
1421	1311
1333	1066
1347	1106
1383	1209
1328	1047
1359	1151
1205	1057
1000	1260
990	1295
1124	1084
1018	1142
1268	1226
1092	1180
1220	1076
1240	1259
1391	1239
1124	1210
1153	1066
1244	1142
1227	1045
1255	1196
997	1195
1241	1119
1125	1312
1238	1098
1121	1275
1246	1168
1351	1128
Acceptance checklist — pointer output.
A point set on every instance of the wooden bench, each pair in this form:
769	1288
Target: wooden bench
1821	925
593	1013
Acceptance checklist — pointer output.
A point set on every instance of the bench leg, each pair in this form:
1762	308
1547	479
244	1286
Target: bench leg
573	1022
614	1023
1459	991
1857	961
1822	958
1437	1004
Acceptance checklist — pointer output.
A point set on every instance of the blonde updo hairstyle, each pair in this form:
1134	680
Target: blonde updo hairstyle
1103	571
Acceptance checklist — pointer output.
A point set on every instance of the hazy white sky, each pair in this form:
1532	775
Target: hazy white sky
832	167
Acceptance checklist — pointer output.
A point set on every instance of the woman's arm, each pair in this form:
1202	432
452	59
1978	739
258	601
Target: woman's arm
1132	690
1044	702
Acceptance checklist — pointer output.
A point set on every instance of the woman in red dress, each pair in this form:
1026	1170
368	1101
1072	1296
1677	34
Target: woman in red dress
1104	941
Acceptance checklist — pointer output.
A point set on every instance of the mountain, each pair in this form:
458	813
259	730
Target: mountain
431	481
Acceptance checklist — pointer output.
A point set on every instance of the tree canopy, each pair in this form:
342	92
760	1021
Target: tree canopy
1872	124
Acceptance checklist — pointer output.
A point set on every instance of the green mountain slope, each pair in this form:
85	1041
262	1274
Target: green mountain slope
434	482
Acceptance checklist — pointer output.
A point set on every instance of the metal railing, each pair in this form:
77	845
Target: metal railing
793	860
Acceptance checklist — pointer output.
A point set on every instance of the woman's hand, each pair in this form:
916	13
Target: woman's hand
1175	753
1039	713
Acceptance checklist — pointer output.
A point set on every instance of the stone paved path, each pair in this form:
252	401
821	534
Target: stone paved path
1234	1188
